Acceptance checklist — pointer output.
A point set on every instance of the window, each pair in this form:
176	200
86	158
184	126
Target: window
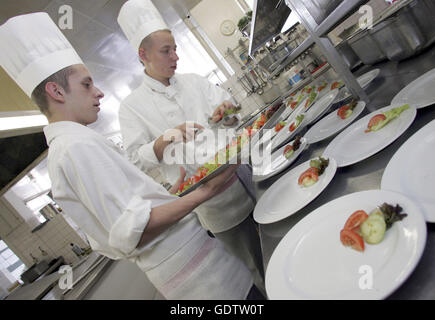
10	265
193	57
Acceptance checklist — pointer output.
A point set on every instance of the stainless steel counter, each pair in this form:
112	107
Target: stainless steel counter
367	174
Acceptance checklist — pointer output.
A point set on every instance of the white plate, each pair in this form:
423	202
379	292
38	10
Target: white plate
419	93
311	263
365	79
411	170
277	164
284	134
353	144
321	106
331	124
285	197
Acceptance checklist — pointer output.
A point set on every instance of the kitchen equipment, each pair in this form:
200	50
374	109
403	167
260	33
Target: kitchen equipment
320	9
349	56
366	48
34	271
398	36
424	13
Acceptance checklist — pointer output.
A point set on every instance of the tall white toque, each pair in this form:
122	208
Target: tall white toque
138	19
34	49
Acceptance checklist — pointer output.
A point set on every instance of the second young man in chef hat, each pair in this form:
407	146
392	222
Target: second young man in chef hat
124	213
166	100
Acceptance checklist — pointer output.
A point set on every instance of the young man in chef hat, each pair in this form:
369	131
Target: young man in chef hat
166	100
125	214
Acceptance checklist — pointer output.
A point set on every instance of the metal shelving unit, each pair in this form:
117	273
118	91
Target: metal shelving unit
318	34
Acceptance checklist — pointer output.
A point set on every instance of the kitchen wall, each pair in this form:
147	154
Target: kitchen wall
54	237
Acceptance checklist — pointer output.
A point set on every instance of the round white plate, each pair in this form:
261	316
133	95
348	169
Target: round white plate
332	124
411	170
353	144
320	107
284	134
278	162
310	262
419	93
365	79
285	197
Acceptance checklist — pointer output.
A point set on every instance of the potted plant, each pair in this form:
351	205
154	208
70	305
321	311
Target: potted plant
244	24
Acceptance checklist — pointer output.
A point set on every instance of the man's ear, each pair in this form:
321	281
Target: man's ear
55	91
143	56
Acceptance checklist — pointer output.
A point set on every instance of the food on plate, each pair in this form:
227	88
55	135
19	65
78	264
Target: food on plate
361	227
345	111
310	99
202	172
380	120
351	239
311	175
336	85
280	125
232	111
322	86
291	148
296	123
292	103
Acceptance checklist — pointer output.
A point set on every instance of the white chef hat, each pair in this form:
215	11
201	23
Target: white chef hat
138	19
34	49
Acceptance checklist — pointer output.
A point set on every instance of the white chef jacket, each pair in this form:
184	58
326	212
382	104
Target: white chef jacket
153	108
111	200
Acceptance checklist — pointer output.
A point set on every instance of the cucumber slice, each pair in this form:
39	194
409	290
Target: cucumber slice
373	229
307	182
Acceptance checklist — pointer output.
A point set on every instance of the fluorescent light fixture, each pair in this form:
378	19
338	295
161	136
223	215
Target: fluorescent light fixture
11	123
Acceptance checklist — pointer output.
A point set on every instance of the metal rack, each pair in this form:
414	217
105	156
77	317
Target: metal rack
318	35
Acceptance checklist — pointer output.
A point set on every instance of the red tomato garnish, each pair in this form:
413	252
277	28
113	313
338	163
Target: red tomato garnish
335	85
312	173
309	90
355	220
375	120
342	111
352	239
288	148
278	127
307	103
293	104
292	127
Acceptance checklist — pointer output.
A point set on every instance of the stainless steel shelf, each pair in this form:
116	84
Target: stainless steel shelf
318	35
341	13
308	42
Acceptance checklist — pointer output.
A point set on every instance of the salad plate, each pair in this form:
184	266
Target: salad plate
331	124
354	144
320	107
310	262
285	134
278	162
410	170
419	93
285	197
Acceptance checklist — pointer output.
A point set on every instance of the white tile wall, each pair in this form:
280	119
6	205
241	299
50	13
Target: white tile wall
54	238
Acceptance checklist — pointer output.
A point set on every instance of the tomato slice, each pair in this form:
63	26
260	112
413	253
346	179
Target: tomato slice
288	148
312	173
342	111
375	120
335	85
293	104
307	103
278	127
355	219
350	238
292	127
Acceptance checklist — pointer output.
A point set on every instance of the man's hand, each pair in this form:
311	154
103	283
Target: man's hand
219	112
184	132
174	188
219	183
